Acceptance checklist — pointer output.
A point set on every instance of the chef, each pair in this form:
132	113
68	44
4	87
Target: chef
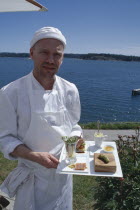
35	112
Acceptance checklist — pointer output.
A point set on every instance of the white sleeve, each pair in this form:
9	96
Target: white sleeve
8	127
75	113
77	131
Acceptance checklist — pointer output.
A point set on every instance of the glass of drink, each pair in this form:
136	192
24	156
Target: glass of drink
99	137
70	145
70	152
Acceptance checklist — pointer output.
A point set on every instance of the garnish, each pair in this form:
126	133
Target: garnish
70	140
71	166
104	158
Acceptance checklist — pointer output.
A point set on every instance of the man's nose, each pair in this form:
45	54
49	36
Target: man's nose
50	59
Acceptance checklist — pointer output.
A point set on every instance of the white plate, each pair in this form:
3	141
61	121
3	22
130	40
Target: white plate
81	159
93	149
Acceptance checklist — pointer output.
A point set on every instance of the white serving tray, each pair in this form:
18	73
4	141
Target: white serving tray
89	157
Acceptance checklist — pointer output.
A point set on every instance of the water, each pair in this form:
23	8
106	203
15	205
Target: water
105	87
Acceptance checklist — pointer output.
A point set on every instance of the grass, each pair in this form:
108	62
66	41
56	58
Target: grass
82	192
112	126
6	166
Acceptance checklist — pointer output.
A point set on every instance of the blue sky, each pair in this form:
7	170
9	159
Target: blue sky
90	26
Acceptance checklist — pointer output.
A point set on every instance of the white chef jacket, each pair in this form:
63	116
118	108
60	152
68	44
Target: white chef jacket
15	111
15	120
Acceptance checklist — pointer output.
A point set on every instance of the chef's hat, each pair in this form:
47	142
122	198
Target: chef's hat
48	32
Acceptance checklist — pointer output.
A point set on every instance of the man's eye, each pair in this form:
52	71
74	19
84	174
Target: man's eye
57	55
43	52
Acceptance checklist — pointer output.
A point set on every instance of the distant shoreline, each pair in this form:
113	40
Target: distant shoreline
88	56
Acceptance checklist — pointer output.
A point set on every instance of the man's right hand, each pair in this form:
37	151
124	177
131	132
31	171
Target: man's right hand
47	160
43	158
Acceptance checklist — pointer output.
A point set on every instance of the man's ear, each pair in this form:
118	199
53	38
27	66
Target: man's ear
31	53
62	59
61	62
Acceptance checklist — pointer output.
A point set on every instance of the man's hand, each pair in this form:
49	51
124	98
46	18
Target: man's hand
47	160
43	158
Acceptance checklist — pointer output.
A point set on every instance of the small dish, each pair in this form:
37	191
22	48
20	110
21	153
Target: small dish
108	148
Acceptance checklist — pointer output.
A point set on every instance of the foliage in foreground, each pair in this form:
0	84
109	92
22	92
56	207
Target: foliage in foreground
122	193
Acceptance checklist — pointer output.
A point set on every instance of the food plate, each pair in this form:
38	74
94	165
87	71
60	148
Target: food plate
82	159
63	167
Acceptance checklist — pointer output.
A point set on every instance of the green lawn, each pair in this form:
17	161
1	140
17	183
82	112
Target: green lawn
6	166
83	192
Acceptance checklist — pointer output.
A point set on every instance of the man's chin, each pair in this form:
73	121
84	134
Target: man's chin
49	74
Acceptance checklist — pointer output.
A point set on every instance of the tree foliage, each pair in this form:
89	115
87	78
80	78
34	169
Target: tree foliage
88	56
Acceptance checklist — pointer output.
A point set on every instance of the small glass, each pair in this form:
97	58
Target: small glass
99	138
70	145
70	152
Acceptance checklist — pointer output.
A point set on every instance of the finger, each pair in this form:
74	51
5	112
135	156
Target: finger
54	159
54	165
51	164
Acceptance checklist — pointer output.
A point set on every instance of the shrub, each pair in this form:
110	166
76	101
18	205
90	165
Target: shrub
121	193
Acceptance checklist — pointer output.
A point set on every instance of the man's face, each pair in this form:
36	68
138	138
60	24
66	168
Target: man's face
47	55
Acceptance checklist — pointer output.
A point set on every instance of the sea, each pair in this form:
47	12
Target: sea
105	87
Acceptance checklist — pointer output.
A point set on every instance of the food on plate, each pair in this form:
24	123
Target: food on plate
80	147
101	166
78	166
99	135
108	148
104	158
72	166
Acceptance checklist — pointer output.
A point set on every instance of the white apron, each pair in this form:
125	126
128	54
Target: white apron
36	187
